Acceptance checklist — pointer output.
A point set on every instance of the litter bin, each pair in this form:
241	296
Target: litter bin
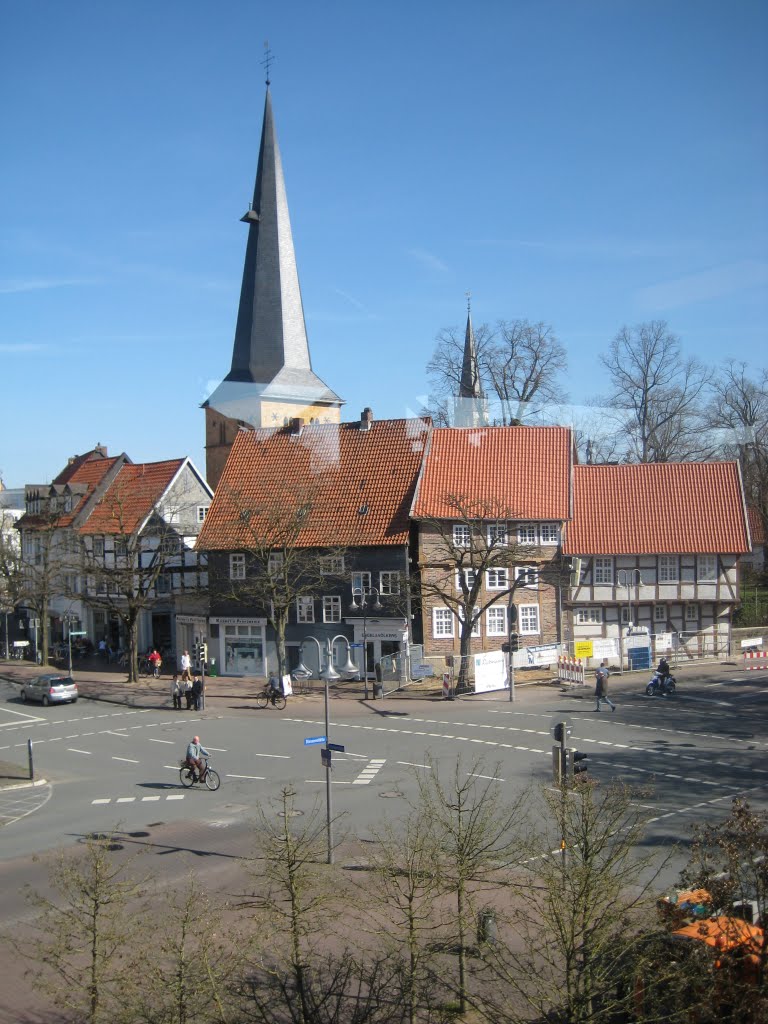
212	670
487	930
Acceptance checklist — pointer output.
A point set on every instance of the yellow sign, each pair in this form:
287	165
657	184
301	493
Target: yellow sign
582	649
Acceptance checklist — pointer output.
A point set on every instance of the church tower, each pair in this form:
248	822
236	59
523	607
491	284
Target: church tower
271	381
470	407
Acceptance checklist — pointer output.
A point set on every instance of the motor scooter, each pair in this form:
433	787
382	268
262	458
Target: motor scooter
659	685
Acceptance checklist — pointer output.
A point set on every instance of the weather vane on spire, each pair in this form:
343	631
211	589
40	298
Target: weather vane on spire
268	59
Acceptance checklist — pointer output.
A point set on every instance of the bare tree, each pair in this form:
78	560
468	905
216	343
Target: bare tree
660	393
187	967
86	932
579	913
11	571
280	566
474	828
520	366
46	560
456	555
738	417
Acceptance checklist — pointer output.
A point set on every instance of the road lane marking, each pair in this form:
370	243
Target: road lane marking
149	799
412	764
105	800
259	778
130	760
175	796
74	750
153	740
125	800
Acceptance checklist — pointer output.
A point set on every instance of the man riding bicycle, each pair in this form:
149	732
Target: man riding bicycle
194	759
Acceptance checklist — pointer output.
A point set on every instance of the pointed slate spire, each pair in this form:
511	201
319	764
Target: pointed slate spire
470	406
470	385
270	333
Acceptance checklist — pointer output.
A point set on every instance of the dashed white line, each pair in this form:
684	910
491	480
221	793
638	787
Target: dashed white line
130	760
74	750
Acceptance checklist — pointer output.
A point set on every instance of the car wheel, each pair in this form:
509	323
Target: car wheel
74	700
24	697
46	702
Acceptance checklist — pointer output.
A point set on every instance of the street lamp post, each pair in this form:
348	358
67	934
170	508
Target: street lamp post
363	596
327	674
511	621
627	578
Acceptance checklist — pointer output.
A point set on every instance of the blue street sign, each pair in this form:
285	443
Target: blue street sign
336	746
76	632
312	740
355	645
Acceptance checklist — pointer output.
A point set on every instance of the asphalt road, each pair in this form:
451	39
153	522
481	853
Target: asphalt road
111	767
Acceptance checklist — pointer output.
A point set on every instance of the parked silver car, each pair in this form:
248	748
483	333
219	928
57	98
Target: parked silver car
50	689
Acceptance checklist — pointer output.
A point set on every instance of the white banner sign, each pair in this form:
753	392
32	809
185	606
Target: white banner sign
490	671
605	647
544	654
756	641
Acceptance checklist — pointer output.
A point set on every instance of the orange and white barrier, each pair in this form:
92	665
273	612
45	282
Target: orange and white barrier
754	660
446	686
571	670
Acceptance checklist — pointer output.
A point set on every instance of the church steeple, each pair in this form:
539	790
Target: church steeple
270	381
271	333
470	406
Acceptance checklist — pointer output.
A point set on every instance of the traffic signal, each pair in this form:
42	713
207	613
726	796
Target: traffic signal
559	765
202	652
577	764
561	731
514	642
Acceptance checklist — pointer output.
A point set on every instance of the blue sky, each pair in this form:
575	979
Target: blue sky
590	163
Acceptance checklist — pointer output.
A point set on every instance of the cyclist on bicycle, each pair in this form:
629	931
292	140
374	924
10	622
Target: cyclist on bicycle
194	759
155	660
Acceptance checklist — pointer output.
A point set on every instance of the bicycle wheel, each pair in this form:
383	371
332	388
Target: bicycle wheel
262	700
212	780
279	701
187	777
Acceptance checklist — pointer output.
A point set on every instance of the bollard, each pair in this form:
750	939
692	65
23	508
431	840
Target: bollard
31	763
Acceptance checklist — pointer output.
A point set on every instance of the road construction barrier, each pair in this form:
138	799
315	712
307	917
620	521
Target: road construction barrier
570	670
755	659
447	686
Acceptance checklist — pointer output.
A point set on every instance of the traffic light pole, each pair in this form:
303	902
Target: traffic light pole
511	623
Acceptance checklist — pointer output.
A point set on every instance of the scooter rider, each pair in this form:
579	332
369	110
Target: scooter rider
663	670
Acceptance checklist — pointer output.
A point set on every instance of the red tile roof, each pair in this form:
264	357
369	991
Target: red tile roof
525	471
86	470
131	496
658	508
359	482
756	527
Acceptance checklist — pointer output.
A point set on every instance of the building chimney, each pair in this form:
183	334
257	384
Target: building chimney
296	424
366	418
101	449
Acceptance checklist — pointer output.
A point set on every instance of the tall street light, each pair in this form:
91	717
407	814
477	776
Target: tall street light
627	578
327	674
361	595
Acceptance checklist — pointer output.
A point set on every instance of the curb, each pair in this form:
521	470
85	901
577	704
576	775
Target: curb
23	785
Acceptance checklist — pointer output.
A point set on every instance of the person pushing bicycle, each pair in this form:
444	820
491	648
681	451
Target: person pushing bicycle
194	751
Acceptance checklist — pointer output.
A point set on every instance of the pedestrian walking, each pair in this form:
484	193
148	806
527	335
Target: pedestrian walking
186	666
601	687
176	692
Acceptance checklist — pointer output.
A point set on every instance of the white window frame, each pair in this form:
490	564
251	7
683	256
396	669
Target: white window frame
549	533
237	566
498	534
528	618
470	576
691	606
602	572
97	547
361	581
706	568
305	609
276	564
527	534
202	512
331	608
590	615
475	616
669	568
659	613
389	583
442	624
497	579
523	574
462	535
332	565
496	620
